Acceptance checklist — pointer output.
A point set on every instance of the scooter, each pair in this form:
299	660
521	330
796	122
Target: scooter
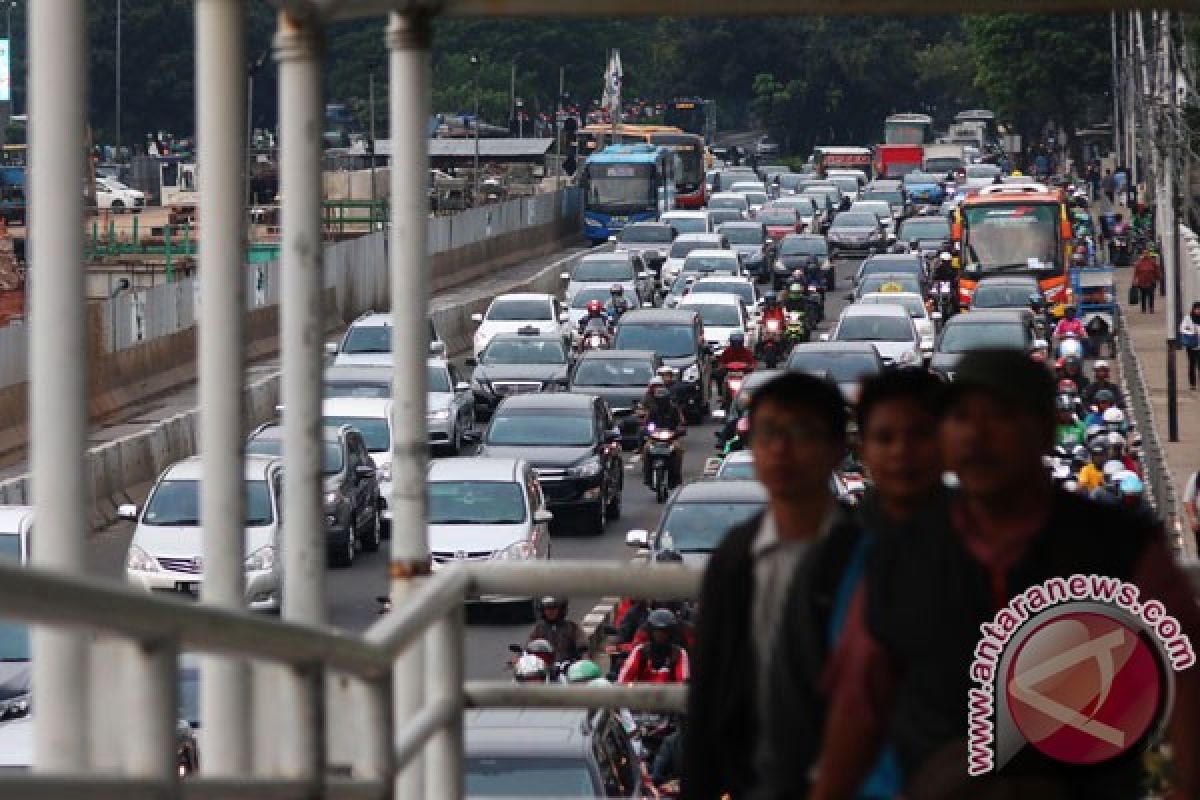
594	340
798	329
735	375
1069	346
770	346
659	453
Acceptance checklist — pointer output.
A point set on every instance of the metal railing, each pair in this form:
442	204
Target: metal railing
161	628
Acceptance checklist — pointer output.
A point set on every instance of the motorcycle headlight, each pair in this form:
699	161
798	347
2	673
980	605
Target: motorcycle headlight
439	415
692	373
332	498
260	560
517	551
139	560
588	469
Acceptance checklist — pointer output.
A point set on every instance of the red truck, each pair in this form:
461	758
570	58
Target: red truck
897	160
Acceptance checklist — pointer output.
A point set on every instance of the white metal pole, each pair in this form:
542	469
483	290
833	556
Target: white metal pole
444	682
225	689
117	109
1116	89
58	366
408	39
299	50
151	692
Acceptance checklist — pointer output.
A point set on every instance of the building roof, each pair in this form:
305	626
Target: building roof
489	148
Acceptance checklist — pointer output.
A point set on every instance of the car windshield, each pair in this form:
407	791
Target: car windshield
541	429
744	234
737	470
804	245
739	202
529	777
514	309
681	248
910	303
344	387
981	335
368	339
10	546
645	234
614	372
700	527
475	503
756	198
891	198
688	224
1006	296
870	328
177	503
710	264
516	351
601	270
924	229
374	430
847	184
777	217
841	367
718	315
331	452
856	219
741	289
669	341
14	642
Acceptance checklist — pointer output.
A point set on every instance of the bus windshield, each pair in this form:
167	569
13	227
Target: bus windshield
620	188
690	150
1011	238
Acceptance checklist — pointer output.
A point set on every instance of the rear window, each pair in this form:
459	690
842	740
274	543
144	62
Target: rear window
519	309
841	367
856	220
668	340
868	328
962	338
681	248
646	233
804	245
529	777
1001	296
602	270
719	315
728	202
777	217
710	264
742	290
688	224
744	235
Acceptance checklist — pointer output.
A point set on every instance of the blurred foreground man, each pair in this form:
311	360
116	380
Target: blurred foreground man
904	664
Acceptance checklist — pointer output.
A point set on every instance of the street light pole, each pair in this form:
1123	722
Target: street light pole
117	135
475	175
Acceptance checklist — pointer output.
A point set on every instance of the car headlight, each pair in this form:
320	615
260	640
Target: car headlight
261	559
692	373
384	472
588	469
517	551
439	415
908	357
332	498
591	223
139	560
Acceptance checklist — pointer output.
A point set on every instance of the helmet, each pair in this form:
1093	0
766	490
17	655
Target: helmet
1105	396
1067	386
1099	365
797	275
662	619
737	339
1131	485
1064	403
551	601
617	289
1112	468
796	288
656	381
595	308
530	669
1114	417
583	671
946	258
540	648
666	373
1115	440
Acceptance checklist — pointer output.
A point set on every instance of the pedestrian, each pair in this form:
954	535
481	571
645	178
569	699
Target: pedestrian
904	663
1109	185
1189	340
897	424
798	427
1120	180
1147	272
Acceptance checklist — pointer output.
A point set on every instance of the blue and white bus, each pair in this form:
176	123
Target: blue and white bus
626	183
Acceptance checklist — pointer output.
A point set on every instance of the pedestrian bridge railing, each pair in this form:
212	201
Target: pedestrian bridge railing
431	613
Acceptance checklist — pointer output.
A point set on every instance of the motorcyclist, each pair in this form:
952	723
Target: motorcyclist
1091	477
772	310
1069	431
735	353
943	269
1116	452
1132	493
617	303
564	635
1114	420
1069	325
658	660
1104	401
1100	382
1073	371
795	299
594	319
664	414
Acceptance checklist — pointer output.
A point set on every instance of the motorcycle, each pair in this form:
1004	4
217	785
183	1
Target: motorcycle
557	672
770	346
1069	346
594	340
945	299
797	329
1118	246
735	375
815	296
660	452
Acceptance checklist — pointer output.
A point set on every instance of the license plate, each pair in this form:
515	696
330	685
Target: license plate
188	587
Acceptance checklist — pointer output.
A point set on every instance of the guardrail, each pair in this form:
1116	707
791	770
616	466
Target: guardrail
161	627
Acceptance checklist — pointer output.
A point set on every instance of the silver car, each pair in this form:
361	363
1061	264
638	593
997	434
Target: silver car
450	406
625	269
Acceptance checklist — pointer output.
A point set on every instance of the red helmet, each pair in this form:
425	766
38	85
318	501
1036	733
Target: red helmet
1066	386
595	308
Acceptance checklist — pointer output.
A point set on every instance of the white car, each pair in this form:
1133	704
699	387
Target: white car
167	550
487	509
915	306
368	342
744	288
577	308
372	417
510	313
684	244
688	221
115	196
16	524
713	262
722	316
888	327
735	200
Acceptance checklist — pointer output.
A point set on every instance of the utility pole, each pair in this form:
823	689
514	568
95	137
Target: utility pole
475	62
117	134
1116	90
371	144
558	113
1177	187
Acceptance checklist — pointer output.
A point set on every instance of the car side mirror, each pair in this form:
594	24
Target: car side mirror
824	337
472	436
637	538
542	515
364	471
564	317
462	386
612	436
127	511
331	348
477	317
437	348
470	362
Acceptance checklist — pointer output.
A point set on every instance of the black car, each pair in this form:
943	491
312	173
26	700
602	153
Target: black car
621	378
699	515
909	263
677	335
526	362
847	364
524	753
982	329
799	251
856	232
750	241
573	444
1006	291
350	488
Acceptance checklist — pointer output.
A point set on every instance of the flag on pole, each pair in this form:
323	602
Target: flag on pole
615	75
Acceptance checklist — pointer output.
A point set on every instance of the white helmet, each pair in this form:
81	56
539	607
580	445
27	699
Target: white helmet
530	669
1115	440
1112	469
1114	418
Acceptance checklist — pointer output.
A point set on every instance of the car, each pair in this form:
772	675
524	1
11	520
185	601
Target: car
372	417
925	235
719	216
797	252
750	241
880	209
687	221
625	269
1005	291
789	183
892	193
756	198
342	380
826	210
350	498
166	553
856	232
678	336
859	176
888	327
742	287
723	315
734	200
684	244
906	263
487	509
368	342
806	211
449	406
525	362
983	172
985	328
838	201
621	377
508	313
115	196
574	446
915	306
16	693
888	282
698	516
848	364
578	306
650	240
779	222
849	184
713	262
16	525
739	466
549	753
925	187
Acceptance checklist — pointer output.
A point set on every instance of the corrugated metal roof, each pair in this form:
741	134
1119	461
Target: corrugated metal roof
489	148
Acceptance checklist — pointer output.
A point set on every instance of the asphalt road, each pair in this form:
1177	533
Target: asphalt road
352	592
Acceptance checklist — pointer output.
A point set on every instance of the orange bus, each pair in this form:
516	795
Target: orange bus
690	189
1014	230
